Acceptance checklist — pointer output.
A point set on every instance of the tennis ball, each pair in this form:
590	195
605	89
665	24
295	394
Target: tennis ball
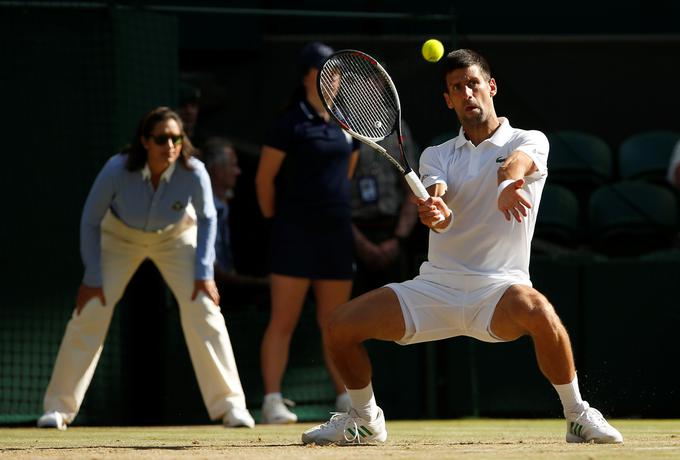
432	50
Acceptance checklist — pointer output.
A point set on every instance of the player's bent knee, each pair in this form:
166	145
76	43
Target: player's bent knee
528	307
340	328
540	314
334	331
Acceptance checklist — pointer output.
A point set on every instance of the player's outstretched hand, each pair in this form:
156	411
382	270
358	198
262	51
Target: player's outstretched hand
511	201
87	293
209	288
432	210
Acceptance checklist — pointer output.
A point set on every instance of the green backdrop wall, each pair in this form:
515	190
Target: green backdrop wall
74	85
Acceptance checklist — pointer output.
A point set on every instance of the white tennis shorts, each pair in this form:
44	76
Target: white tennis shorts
438	307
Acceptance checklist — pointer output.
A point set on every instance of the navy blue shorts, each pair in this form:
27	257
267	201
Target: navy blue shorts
315	250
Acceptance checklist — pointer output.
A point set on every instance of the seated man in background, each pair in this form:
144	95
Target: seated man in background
383	217
221	161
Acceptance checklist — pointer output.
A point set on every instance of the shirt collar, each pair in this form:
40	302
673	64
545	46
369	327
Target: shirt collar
167	174
502	134
499	138
307	109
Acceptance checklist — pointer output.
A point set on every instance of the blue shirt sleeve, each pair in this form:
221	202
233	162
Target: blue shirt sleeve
98	202
206	216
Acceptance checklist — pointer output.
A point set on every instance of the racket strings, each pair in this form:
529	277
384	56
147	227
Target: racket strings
359	94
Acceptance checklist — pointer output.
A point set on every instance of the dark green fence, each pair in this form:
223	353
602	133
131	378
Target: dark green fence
74	83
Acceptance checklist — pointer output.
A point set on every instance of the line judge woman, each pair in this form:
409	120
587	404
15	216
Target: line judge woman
152	201
304	171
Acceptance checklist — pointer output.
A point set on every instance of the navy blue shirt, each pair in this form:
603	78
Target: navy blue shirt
313	175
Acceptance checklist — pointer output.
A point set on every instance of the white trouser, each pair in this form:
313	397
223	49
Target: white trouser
173	251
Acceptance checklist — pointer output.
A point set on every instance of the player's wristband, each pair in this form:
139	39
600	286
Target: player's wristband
444	229
503	185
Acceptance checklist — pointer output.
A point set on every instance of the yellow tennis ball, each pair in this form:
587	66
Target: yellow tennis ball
432	50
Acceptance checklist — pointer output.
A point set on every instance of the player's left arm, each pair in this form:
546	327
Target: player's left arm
511	174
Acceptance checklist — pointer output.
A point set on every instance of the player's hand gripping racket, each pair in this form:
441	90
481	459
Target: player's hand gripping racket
360	96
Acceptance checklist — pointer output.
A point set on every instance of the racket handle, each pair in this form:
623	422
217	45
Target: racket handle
419	189
417	186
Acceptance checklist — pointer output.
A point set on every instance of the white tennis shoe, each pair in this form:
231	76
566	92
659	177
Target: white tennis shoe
347	428
591	426
237	418
275	411
52	419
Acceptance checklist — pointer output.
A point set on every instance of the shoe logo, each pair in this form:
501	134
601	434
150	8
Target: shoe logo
500	160
575	428
362	432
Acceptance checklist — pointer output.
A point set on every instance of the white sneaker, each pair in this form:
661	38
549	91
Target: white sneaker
591	426
343	403
52	419
275	412
238	417
347	428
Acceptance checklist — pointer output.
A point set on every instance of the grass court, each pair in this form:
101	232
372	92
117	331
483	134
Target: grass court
437	439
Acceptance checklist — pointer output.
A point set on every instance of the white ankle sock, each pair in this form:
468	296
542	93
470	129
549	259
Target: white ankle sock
571	397
363	402
271	397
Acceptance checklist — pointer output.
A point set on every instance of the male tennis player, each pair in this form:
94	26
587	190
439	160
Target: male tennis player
487	183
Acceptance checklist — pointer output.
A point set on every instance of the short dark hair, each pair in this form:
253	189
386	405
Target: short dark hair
462	59
137	154
212	150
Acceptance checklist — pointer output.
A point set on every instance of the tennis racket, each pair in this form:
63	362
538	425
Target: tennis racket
360	95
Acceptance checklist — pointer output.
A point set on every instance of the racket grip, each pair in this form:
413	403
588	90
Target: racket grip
419	189
417	186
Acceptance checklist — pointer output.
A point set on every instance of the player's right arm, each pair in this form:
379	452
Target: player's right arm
430	211
433	175
267	169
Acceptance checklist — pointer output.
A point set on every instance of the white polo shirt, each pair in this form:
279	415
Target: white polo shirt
480	241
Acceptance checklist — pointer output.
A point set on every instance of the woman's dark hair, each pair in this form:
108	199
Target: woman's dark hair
136	152
462	59
311	56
